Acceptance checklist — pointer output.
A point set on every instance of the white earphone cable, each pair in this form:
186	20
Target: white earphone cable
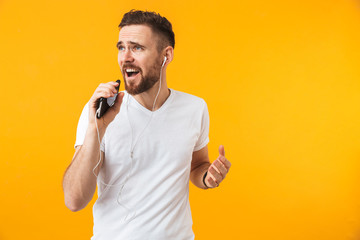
133	144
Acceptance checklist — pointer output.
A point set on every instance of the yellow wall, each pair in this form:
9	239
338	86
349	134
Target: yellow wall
281	79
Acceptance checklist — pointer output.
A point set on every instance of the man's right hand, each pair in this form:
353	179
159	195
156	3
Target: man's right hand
105	90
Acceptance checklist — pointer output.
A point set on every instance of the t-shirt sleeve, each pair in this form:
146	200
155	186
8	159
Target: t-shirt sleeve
82	127
203	139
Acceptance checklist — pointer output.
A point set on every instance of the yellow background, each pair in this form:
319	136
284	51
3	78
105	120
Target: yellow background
281	79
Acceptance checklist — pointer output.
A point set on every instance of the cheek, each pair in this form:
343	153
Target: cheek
118	58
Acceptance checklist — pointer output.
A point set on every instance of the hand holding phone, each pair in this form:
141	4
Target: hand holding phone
106	103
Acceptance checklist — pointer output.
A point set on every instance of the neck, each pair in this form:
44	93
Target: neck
147	98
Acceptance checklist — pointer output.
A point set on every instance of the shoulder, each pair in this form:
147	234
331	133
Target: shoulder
85	110
188	99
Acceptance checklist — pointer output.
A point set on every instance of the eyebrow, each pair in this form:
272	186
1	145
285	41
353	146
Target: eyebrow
129	42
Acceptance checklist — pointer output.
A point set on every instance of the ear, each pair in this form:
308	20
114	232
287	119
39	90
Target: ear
168	52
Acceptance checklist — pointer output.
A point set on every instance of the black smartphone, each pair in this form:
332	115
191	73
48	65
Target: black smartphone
106	103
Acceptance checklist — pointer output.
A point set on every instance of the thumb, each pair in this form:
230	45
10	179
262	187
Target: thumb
221	150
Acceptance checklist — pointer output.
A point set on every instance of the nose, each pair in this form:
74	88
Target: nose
125	56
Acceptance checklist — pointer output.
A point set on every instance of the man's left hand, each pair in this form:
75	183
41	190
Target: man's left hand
217	170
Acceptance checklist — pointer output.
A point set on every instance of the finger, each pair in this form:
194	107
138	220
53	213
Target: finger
217	176
226	162
211	183
94	101
113	86
220	167
104	91
221	150
110	86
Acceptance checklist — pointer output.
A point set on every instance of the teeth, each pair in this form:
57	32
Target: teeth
130	70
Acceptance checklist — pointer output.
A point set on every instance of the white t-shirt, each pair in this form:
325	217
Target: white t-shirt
149	196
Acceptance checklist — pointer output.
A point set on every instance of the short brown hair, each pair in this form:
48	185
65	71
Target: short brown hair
158	24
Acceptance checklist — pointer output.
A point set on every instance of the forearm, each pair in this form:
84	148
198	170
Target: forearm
197	174
79	181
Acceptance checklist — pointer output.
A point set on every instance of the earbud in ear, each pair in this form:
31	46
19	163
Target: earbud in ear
164	61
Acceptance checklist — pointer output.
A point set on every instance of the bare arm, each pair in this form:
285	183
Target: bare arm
199	165
79	182
215	172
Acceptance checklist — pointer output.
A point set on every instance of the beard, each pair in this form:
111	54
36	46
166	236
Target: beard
146	81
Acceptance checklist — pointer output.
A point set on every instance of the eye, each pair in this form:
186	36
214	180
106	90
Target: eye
138	48
120	47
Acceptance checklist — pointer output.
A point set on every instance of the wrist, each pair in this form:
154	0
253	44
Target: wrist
94	132
204	177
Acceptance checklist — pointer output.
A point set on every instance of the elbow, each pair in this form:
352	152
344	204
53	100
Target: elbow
74	205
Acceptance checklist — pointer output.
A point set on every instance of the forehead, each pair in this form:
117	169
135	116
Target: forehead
136	33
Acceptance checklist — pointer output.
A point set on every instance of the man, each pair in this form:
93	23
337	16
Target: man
146	147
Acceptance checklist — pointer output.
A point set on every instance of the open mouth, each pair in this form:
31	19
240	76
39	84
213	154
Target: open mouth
131	72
